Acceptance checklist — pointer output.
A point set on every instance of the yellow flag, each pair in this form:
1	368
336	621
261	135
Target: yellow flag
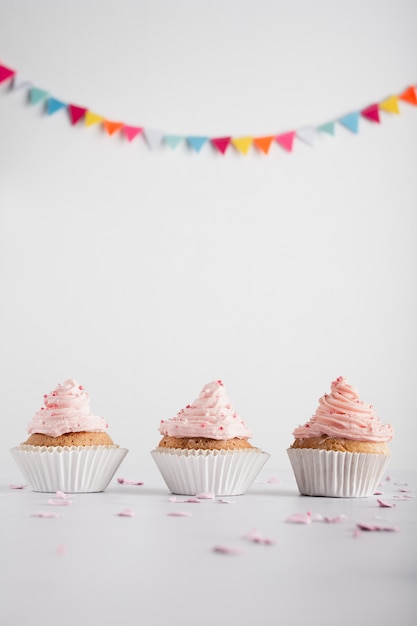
242	143
390	105
92	118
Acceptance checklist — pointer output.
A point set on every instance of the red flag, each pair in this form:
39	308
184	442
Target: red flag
76	113
221	143
371	113
6	73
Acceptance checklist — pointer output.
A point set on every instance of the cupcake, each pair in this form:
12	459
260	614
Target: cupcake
68	448
205	447
343	450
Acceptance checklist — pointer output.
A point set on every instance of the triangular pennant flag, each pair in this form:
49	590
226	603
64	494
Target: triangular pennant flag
197	142
92	118
112	127
308	134
390	105
221	143
371	113
131	131
6	73
53	105
350	121
263	143
76	113
409	95
153	137
37	95
173	140
286	140
327	128
242	144
19	82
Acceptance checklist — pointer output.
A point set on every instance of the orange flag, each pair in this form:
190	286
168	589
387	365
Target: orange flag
409	95
264	143
112	127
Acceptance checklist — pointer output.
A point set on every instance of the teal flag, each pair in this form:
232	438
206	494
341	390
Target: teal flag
327	128
173	140
37	95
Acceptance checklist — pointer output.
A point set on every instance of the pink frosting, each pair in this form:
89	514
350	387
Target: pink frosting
211	416
66	410
342	414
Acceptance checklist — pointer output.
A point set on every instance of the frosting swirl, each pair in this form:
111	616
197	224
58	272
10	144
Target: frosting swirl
342	414
211	416
66	410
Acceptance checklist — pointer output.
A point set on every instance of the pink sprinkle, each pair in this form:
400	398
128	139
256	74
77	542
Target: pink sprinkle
62	495
224	501
377	527
125	481
126	513
386	505
256	537
300	518
227	550
220	383
202	425
59	502
273	480
17	486
387	478
81	387
378	493
221	428
403	490
179	514
46	515
187	500
403	498
205	496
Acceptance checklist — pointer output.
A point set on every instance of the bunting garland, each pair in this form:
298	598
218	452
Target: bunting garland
155	138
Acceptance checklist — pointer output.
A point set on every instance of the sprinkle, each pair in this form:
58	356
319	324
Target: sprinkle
59	502
403	498
205	495
386	505
300	518
378	493
377	527
44	514
188	500
224	501
273	480
17	486
125	481
227	550
256	537
179	514
62	495
402	490
126	513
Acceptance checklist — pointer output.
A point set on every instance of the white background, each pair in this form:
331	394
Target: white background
146	274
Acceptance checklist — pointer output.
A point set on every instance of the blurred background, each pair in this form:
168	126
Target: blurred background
145	274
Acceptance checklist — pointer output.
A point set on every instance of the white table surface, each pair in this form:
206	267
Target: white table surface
91	566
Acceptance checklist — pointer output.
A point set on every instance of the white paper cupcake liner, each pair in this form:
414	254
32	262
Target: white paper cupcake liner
337	474
221	472
82	469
